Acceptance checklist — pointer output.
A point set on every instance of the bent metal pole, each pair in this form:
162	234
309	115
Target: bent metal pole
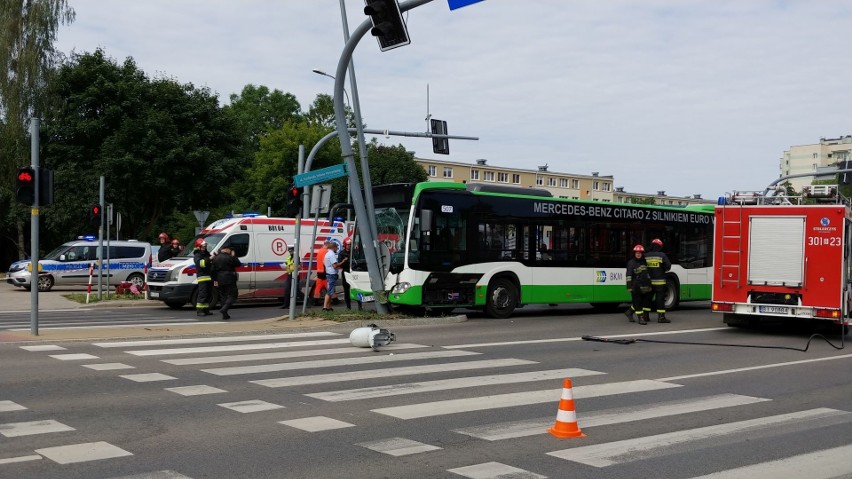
370	242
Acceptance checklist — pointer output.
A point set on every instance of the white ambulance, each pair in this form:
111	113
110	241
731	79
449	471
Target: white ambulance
260	243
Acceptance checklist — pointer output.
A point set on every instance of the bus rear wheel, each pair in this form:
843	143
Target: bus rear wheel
672	294
502	298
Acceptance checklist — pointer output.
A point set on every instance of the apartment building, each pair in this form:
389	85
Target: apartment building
800	159
660	198
561	185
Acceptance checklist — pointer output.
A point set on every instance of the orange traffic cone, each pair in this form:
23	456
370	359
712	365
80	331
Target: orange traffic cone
566	417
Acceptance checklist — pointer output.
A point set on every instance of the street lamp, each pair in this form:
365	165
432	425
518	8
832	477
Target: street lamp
320	72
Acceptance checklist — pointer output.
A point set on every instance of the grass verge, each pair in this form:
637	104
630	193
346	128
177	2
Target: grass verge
93	298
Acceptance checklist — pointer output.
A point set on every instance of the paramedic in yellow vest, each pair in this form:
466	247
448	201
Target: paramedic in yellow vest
290	267
658	265
203	267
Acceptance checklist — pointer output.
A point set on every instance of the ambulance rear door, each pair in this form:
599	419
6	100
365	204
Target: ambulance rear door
241	242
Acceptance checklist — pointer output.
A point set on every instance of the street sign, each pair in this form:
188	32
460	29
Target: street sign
201	216
454	4
320	199
321	175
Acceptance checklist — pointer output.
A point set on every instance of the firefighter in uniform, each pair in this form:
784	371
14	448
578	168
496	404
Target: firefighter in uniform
203	267
225	265
639	285
658	264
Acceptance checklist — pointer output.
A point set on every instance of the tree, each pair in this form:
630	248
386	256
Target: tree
393	164
27	56
259	111
321	112
163	146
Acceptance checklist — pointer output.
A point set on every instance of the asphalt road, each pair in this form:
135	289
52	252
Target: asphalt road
470	399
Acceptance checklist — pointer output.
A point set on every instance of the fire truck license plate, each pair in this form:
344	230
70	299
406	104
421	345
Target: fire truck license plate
773	309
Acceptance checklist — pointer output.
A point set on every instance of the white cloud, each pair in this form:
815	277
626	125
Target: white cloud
687	96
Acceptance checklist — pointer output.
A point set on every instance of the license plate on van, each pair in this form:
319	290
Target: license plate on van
153	294
774	309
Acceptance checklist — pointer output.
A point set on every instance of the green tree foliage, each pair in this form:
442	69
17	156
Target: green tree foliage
27	33
271	173
393	164
163	147
259	111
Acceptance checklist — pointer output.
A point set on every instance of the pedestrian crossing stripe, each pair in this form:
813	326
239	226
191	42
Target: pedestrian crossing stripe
454	406
641	448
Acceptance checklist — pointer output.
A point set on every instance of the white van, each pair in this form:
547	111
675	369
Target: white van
260	242
69	264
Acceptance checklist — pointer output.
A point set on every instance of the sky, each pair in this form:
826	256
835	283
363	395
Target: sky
684	96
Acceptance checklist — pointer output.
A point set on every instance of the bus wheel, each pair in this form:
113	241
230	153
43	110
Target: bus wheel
502	298
672	294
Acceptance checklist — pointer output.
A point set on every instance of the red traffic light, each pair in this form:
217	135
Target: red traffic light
25	176
96	210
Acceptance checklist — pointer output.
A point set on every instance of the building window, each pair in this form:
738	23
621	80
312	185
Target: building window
563	183
503	177
474	174
575	184
539	180
448	172
606	186
551	182
595	185
433	170
516	179
489	176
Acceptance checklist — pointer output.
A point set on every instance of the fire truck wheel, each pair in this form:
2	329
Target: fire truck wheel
672	294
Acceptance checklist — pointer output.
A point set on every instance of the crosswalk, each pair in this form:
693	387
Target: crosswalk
332	371
84	318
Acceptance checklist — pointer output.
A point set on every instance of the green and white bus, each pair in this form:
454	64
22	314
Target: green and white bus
498	248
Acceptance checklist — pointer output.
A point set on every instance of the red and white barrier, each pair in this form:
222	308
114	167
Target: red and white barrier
89	288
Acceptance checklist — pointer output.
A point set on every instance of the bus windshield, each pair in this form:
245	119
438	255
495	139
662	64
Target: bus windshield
391	224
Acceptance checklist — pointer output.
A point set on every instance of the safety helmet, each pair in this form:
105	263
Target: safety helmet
347	241
291	246
200	242
639	248
657	241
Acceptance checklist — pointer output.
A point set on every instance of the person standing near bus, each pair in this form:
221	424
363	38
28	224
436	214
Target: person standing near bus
331	272
343	262
658	264
639	285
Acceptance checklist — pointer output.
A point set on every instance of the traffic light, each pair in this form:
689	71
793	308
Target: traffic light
95	215
294	200
25	185
388	26
440	146
45	186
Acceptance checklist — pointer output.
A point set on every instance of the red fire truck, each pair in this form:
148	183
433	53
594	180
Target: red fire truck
783	257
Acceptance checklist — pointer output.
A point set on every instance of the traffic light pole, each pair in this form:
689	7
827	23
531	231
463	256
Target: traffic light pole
370	241
101	238
34	239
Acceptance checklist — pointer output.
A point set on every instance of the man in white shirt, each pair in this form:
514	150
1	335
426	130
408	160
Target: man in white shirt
332	272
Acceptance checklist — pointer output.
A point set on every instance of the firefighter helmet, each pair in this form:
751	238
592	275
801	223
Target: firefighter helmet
657	241
639	248
347	241
200	242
